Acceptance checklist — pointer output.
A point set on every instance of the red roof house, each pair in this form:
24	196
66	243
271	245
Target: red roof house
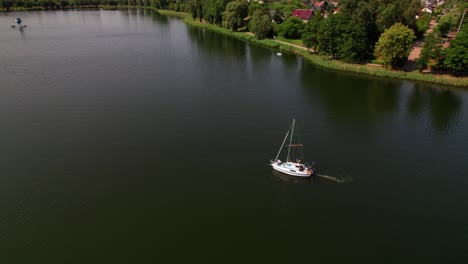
304	14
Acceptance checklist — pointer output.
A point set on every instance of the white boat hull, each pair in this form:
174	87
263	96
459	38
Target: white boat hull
291	168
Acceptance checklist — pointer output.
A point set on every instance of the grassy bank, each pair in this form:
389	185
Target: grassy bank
326	62
382	72
239	35
292	41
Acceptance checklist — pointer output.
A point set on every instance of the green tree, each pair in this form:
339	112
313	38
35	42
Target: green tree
28	3
63	3
310	35
422	24
255	6
195	9
456	54
390	12
365	12
353	42
292	28
260	25
330	34
235	12
395	44
431	52
7	4
445	24
212	10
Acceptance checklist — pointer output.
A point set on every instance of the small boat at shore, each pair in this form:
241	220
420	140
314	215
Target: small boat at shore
292	168
18	22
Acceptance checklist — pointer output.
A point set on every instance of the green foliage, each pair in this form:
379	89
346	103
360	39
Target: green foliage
254	6
261	25
311	32
397	11
292	28
456	54
422	24
445	24
235	12
341	38
212	10
395	44
242	36
353	44
7	4
431	54
330	32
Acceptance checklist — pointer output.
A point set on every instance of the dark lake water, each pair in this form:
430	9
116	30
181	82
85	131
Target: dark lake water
130	137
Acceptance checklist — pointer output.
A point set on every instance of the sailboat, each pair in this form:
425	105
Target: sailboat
292	168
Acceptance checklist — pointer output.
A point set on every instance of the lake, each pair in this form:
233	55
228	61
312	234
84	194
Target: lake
131	137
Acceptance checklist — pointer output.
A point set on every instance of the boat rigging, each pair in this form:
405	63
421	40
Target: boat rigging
292	168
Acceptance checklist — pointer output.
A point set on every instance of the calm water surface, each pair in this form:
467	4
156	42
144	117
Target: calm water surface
130	137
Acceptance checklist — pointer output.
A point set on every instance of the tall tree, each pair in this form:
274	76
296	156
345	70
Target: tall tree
235	12
330	32
292	28
353	42
213	9
445	24
310	35
397	11
456	54
7	4
395	44
261	25
364	12
431	52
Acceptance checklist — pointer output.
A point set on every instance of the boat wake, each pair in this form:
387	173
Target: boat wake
334	179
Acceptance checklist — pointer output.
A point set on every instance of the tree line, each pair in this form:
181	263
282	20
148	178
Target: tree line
355	31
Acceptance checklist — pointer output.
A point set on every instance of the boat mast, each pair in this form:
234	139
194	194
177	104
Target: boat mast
290	139
282	146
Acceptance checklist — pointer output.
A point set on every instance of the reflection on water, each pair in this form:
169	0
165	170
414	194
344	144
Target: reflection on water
141	13
157	17
443	107
416	102
284	178
445	110
144	134
348	99
215	43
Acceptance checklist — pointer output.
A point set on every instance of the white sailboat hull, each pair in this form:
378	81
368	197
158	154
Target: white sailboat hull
291	168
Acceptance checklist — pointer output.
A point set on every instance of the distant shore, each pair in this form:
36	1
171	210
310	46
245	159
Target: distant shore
323	61
326	62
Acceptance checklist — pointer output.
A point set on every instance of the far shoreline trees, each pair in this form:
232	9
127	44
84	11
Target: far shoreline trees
356	31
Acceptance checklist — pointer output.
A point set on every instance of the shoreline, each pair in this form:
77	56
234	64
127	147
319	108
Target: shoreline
325	62
316	59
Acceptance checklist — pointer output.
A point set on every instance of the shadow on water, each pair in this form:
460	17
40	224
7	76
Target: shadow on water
417	102
213	42
443	107
284	178
137	12
362	99
348	98
445	110
157	17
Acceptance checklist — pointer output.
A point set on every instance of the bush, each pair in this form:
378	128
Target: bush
292	28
